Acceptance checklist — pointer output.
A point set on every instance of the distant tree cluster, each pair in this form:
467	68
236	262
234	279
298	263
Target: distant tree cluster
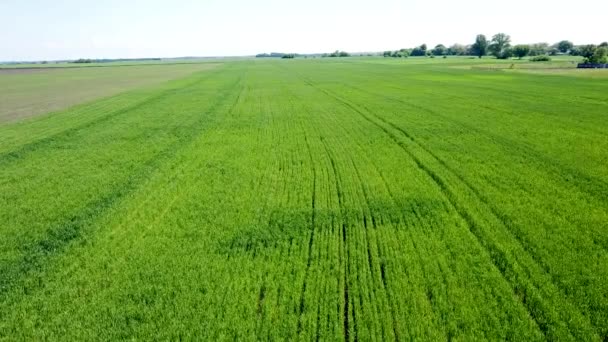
109	60
500	47
420	51
289	56
564	46
541	49
594	54
336	53
439	50
275	55
402	53
521	51
457	50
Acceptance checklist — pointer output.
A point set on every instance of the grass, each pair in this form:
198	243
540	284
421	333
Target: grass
350	199
559	65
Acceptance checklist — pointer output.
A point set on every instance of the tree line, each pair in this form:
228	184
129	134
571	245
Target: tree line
336	53
110	60
500	47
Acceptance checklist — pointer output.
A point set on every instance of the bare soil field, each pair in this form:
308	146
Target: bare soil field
21	71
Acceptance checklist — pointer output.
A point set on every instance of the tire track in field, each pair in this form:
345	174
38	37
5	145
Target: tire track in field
504	219
371	302
369	249
367	226
584	182
382	267
24	150
323	289
498	256
302	126
522	95
524	292
374	225
403	219
37	254
311	239
439	182
347	308
313	219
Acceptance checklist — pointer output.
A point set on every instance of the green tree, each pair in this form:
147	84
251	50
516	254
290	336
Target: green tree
457	50
500	44
521	51
600	56
564	46
419	51
440	50
480	47
539	49
575	51
587	51
338	53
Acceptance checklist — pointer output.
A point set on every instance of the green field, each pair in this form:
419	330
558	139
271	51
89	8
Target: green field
320	199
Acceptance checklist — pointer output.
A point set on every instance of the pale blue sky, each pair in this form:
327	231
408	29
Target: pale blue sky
68	29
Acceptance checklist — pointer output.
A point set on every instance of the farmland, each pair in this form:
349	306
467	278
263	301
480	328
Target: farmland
326	199
52	89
